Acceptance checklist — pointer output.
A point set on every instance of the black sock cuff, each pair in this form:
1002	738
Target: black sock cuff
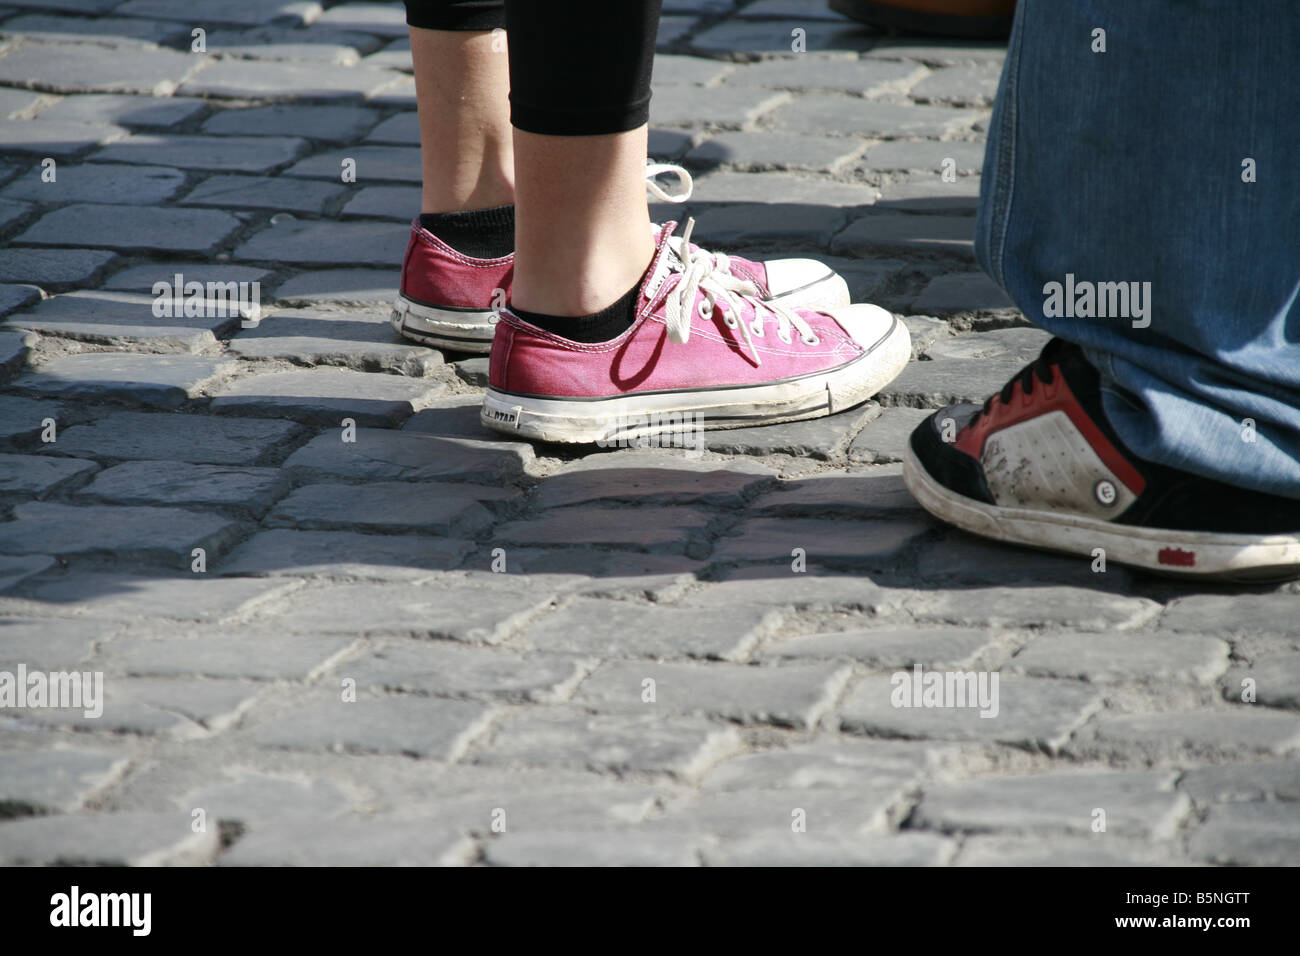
481	233
498	217
608	323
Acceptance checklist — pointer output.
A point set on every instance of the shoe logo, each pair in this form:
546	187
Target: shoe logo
1105	492
1177	557
506	416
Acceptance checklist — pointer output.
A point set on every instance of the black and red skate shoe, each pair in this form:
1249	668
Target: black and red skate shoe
1039	465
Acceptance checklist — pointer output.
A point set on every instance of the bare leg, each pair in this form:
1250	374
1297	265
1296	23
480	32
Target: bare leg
582	223
462	87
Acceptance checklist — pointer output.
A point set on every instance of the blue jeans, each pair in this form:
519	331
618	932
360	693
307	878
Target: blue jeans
1132	166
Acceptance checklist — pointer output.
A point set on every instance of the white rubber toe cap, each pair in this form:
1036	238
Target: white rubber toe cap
806	284
868	324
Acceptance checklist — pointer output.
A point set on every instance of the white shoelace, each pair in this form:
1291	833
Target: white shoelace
684	181
722	290
686	186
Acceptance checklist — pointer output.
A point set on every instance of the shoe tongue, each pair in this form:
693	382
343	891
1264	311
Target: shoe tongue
665	262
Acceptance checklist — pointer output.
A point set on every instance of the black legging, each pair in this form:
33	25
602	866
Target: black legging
577	67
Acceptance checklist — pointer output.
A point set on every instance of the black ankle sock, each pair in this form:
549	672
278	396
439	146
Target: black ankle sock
479	233
604	325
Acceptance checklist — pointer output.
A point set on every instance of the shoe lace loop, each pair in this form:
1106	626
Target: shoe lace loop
685	184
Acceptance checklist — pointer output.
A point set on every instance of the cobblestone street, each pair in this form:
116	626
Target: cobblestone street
339	622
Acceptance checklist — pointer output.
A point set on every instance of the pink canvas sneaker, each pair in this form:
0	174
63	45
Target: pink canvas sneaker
704	349
451	301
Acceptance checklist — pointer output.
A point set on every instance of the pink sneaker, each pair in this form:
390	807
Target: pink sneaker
705	350
448	300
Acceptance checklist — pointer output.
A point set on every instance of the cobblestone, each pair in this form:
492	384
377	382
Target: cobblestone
324	338
101	183
401	624
646	529
177	709
817	437
282	551
379	454
127	227
308	122
455	611
53	644
235	192
684	747
141	435
796	695
264	656
107	839
1115	659
931	647
305	82
954	235
1205	732
353	842
85	68
249	491
885	439
824	543
14	297
54	137
119	597
387	506
54	781
225	154
642	478
1135	804
54	267
449	670
326	396
1033	713
1248	833
417	726
124	110
339	288
137	533
393	163
38	474
123	319
15	349
156	380
318	243
601	629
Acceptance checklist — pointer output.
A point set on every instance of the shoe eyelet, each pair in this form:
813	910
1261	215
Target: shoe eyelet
784	337
704	309
757	328
730	321
811	339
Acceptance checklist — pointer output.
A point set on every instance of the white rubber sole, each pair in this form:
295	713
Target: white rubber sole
625	418
452	329
1198	554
